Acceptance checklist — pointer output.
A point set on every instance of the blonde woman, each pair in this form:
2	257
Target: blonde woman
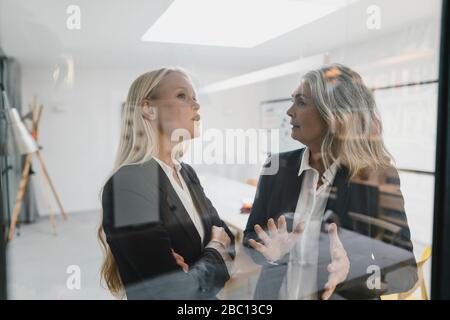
337	175
162	236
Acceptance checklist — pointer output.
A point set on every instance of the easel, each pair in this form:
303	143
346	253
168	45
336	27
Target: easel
36	112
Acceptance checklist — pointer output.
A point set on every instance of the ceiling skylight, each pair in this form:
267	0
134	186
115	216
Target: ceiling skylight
236	23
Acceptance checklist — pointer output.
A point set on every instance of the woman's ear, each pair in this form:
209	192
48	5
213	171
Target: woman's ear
149	112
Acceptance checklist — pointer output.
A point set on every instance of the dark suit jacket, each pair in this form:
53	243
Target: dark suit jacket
279	193
144	219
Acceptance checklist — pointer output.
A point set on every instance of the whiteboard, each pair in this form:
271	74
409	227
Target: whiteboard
274	117
408	115
409	118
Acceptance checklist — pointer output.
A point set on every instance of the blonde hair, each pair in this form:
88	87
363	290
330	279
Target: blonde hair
138	144
346	104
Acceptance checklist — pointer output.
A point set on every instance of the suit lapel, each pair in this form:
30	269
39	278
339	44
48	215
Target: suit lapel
199	202
177	208
339	197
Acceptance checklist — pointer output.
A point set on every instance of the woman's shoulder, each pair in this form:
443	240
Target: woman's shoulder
378	176
131	196
134	177
287	155
293	154
286	159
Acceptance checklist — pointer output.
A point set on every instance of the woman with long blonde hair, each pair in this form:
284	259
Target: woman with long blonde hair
333	182
162	237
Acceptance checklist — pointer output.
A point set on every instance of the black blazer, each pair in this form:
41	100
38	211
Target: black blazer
144	219
278	193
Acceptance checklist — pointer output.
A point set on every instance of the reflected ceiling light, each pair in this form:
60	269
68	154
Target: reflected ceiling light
397	59
281	70
236	23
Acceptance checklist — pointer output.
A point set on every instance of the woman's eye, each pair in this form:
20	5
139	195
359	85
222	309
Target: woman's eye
181	96
298	101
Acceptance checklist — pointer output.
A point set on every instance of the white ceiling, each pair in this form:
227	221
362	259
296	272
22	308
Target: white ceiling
35	33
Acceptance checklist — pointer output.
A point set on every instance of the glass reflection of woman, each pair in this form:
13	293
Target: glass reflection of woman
163	238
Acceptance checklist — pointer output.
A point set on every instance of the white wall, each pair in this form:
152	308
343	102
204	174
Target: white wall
79	140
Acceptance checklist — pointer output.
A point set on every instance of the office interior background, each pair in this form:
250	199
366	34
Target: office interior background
78	58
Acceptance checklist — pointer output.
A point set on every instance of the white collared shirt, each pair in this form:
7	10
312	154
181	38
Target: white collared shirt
300	282
184	195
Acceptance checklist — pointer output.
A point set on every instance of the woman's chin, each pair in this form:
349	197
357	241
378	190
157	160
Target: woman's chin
196	130
296	137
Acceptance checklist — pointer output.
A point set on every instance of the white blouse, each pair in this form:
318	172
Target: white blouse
300	282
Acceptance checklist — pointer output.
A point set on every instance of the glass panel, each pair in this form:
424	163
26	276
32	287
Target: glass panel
318	114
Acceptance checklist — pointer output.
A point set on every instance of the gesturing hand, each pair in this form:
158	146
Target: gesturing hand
278	242
339	266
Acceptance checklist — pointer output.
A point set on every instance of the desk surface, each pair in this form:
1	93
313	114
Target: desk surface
228	196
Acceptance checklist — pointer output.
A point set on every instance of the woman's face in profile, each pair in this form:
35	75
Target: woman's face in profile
177	107
308	127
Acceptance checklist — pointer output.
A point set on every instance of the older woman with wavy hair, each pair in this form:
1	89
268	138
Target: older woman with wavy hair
334	115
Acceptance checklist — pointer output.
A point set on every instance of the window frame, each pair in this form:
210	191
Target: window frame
440	276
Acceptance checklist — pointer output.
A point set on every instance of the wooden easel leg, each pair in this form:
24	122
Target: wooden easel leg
19	197
52	214
53	221
47	176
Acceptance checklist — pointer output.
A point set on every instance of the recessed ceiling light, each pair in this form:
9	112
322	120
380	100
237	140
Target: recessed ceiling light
236	23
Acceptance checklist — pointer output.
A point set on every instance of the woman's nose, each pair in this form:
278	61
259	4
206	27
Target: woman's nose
289	112
196	105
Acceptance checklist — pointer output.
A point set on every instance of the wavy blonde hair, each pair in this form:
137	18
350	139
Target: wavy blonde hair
354	136
138	144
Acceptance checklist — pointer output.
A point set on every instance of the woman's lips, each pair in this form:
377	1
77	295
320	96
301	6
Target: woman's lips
196	118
